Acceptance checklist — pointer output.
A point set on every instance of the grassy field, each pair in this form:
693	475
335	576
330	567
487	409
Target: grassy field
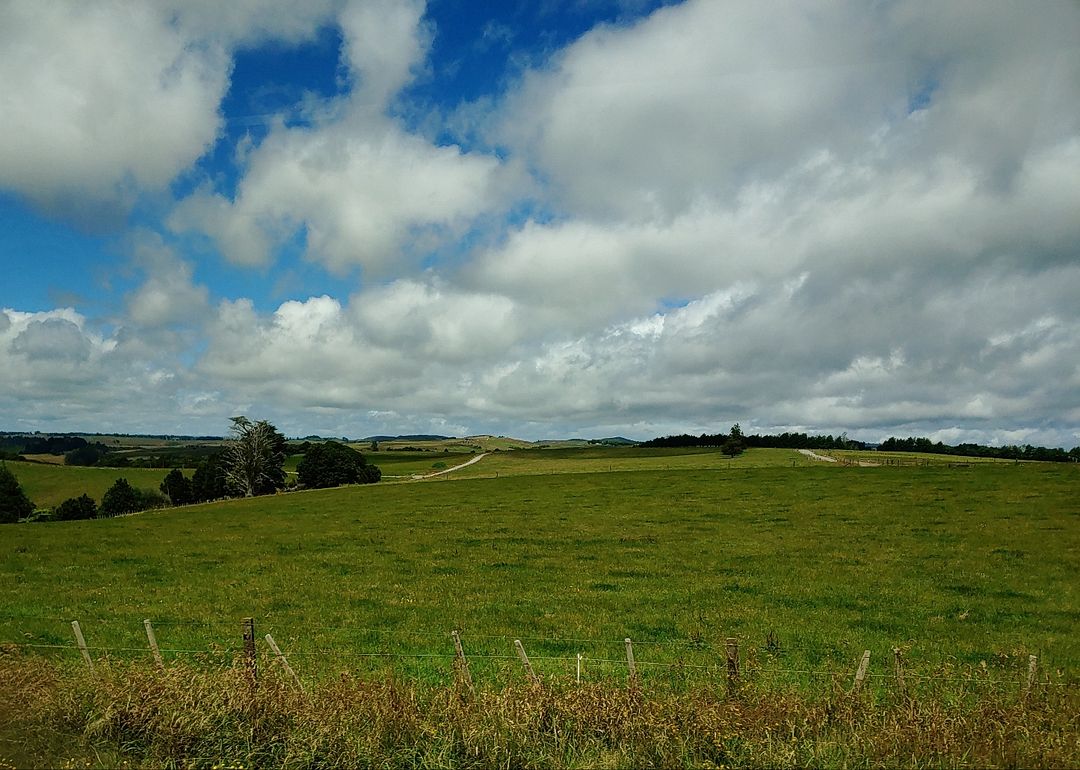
967	566
968	570
50	485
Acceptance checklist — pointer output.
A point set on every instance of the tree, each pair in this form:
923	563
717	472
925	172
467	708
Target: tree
76	509
119	499
331	464
208	481
178	488
254	458
734	445
14	504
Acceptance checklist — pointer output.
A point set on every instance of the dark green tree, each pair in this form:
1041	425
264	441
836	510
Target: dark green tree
76	509
208	481
120	498
178	488
331	464
734	445
14	504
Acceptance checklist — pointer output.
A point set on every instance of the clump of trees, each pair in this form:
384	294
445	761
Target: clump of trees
86	455
76	509
123	498
252	463
331	464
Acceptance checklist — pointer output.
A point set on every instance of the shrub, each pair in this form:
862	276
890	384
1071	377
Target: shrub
75	509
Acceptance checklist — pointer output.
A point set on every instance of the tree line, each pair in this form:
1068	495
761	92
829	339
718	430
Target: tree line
250	464
781	441
892	444
1012	452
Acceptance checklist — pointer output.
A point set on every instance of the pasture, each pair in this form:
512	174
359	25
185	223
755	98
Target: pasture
963	564
50	485
967	570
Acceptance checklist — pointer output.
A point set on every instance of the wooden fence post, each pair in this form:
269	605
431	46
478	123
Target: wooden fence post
82	644
579	668
898	668
732	647
281	657
250	661
860	674
1033	663
630	665
525	662
153	643
461	663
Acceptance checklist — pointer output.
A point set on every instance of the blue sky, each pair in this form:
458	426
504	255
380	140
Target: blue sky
542	219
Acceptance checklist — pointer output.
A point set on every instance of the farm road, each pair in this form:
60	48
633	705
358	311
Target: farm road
476	459
816	456
823	458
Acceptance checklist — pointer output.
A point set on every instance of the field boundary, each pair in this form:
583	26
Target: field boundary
735	660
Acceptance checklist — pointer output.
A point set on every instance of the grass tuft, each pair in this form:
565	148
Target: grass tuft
133	714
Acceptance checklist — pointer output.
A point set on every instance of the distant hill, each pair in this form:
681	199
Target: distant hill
613	441
410	437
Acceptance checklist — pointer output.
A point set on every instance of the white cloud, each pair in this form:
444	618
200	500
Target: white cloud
169	295
361	188
362	191
851	216
101	100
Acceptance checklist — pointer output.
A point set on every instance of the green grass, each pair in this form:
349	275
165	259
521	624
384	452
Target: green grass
50	485
964	567
407	464
608	459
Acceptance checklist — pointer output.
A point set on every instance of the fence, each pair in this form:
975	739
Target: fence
731	663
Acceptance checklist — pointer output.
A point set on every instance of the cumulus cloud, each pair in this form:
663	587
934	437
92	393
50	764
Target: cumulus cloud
361	188
703	99
101	100
169	294
361	192
851	217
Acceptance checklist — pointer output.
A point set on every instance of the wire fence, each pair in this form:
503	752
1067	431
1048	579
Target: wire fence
730	658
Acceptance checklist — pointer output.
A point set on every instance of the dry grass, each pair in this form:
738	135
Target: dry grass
195	716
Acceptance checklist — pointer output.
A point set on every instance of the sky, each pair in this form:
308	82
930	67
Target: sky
542	218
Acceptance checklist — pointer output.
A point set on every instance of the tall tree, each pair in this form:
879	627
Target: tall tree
14	504
254	458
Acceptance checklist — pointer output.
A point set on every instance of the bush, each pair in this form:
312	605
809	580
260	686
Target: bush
75	509
331	464
14	504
